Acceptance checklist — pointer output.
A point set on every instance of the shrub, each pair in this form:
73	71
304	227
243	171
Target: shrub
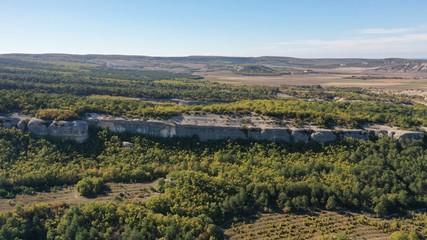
56	114
405	236
90	187
331	203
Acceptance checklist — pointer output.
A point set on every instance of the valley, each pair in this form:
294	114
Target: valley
134	147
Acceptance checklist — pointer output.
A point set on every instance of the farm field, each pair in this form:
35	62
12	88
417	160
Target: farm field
326	225
337	79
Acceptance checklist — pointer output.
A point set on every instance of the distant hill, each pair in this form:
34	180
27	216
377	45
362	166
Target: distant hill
403	65
248	65
257	70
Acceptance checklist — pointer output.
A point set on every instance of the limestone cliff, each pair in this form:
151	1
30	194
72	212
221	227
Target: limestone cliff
217	127
205	127
70	130
8	121
149	127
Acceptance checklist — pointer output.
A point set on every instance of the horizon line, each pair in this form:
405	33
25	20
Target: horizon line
201	55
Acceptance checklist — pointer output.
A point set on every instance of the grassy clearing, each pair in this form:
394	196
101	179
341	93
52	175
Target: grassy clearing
117	192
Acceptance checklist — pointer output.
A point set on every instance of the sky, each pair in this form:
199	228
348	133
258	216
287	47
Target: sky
295	28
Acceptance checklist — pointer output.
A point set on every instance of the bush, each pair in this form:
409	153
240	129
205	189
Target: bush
56	114
90	187
331	203
405	236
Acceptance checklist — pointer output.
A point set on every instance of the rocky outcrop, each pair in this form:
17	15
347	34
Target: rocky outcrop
38	127
149	127
22	125
300	136
127	144
271	134
408	135
211	132
323	136
204	127
216	128
8	121
70	130
355	134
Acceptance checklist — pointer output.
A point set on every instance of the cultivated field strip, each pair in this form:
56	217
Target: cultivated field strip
324	225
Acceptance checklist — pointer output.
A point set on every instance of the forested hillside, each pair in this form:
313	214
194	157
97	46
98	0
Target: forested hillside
202	187
321	113
87	79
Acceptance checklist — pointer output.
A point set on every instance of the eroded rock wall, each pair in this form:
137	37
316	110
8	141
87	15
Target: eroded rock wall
218	132
70	130
8	121
152	128
213	130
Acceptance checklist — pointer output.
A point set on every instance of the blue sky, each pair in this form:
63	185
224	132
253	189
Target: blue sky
298	28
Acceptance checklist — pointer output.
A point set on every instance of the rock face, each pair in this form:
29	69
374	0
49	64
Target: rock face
38	127
323	136
271	134
127	144
300	136
408	135
204	127
150	127
70	130
356	134
22	125
211	132
8	122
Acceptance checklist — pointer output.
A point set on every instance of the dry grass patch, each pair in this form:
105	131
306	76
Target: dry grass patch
117	192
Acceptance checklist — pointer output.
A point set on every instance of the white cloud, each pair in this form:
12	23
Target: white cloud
371	43
340	43
383	30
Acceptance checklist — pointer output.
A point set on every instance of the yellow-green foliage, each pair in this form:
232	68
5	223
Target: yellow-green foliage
323	113
88	187
213	182
56	114
111	98
405	236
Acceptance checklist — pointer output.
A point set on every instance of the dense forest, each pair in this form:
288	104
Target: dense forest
202	185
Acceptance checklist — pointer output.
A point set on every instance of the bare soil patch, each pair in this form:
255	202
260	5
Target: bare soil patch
329	77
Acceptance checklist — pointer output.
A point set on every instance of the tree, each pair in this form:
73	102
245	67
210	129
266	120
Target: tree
381	207
331	203
89	187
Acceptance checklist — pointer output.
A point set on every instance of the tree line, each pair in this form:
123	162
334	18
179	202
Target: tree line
321	113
